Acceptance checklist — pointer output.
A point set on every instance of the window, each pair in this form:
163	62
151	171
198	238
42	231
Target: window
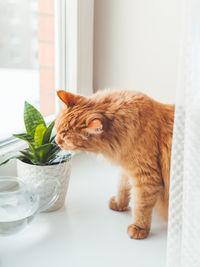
26	61
46	45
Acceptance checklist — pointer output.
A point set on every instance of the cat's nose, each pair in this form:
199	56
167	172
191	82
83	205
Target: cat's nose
58	140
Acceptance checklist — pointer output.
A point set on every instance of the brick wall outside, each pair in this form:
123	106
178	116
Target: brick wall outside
46	56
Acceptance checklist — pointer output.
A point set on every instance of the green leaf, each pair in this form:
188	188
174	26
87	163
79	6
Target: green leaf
12	157
27	155
55	149
54	152
52	140
33	150
47	134
26	137
32	118
44	151
60	159
39	134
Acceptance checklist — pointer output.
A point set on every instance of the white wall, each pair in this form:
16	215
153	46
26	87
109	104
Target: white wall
136	45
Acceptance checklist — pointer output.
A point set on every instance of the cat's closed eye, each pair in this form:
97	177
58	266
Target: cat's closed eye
85	135
82	126
63	133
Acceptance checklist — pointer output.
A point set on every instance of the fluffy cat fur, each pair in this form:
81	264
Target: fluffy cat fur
133	131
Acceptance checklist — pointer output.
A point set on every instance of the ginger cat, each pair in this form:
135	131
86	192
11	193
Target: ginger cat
133	131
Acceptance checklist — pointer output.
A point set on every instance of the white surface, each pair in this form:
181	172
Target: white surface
136	45
85	233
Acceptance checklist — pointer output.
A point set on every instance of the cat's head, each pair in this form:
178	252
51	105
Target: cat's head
81	124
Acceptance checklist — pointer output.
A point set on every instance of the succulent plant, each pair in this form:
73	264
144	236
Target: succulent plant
42	149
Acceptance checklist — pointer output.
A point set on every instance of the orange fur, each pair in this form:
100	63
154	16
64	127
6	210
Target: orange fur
135	132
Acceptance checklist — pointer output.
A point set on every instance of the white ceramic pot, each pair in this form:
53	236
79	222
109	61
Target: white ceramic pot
34	174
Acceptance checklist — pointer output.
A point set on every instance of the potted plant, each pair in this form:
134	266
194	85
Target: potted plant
42	158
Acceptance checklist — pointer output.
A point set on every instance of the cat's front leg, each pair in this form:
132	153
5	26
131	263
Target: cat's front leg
121	201
145	195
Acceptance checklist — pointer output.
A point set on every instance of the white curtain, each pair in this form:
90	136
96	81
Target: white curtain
183	244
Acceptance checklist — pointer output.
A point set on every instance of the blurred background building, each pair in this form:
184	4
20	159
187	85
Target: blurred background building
19	34
26	60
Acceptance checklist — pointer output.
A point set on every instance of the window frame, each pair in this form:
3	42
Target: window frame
74	46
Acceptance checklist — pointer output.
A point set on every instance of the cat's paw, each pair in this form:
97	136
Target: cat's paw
114	205
137	232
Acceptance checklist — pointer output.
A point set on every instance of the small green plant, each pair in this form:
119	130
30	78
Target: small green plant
42	149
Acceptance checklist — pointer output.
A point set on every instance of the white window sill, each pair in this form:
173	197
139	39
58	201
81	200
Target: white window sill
10	148
85	233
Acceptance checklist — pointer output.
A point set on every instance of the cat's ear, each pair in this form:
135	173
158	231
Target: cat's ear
68	98
95	127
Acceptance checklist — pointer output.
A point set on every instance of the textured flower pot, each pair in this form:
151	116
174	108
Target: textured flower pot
34	174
